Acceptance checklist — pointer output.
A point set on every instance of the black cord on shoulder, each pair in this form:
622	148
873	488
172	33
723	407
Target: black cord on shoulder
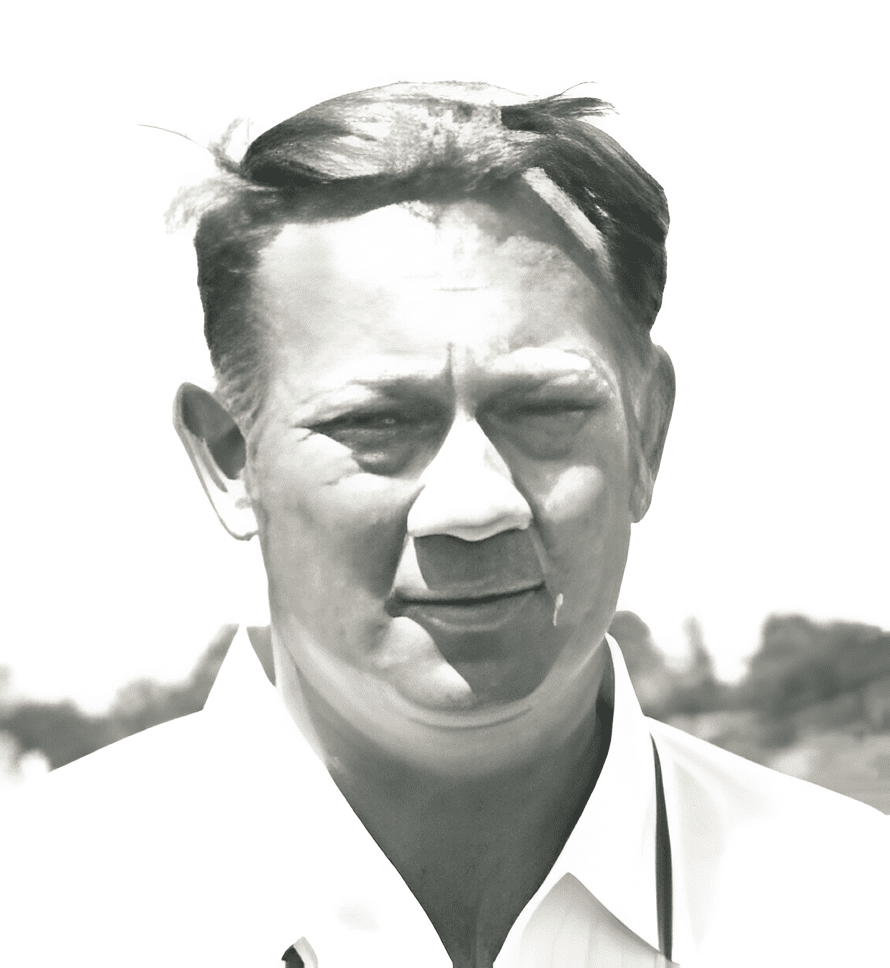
664	886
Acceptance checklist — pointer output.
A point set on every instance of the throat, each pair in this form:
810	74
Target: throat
474	883
475	851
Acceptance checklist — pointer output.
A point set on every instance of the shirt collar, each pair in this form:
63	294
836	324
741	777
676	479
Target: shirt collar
611	851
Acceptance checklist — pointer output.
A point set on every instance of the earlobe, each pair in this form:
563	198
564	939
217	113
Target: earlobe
654	417
216	448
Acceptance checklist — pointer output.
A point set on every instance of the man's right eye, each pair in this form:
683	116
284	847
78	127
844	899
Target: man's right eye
382	442
359	427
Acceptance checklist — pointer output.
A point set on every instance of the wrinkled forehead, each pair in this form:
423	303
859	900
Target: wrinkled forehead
455	246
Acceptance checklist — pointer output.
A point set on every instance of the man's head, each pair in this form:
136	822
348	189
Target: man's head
439	406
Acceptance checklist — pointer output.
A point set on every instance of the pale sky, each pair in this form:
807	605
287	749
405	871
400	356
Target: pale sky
764	122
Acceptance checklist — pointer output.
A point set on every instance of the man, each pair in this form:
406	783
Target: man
440	410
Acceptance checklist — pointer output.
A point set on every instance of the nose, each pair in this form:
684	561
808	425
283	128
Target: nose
467	490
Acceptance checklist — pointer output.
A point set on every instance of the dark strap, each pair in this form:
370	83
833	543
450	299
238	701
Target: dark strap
664	878
293	959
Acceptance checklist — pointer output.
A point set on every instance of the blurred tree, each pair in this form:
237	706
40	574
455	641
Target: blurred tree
696	689
810	676
59	730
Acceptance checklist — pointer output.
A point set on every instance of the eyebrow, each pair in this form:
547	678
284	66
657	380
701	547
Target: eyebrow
532	360
517	371
537	367
330	402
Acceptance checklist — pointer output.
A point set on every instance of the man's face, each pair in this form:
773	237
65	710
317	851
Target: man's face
442	470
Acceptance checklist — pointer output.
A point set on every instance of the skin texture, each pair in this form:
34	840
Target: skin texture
458	431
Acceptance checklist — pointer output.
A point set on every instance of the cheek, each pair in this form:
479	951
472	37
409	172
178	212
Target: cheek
331	535
582	516
582	513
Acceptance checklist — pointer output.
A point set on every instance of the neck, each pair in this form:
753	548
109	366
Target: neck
473	846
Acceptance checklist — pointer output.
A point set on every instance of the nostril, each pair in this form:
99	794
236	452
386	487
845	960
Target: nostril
482	532
468	532
471	509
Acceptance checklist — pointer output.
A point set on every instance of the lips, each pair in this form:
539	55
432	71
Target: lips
478	596
483	612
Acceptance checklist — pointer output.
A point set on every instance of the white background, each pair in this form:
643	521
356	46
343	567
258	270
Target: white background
765	122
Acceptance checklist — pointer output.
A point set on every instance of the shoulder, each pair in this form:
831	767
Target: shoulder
79	814
762	792
85	849
174	846
775	870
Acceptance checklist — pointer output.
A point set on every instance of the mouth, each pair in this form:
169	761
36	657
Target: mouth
464	612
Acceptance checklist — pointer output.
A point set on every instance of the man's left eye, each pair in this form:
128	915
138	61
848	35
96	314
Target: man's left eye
567	409
544	429
558	417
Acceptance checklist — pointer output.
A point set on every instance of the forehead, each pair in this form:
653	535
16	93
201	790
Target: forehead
419	286
456	246
410	241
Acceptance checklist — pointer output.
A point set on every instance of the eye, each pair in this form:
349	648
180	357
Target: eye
545	429
550	408
363	423
383	441
357	429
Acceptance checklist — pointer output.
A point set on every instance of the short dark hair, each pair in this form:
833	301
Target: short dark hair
427	143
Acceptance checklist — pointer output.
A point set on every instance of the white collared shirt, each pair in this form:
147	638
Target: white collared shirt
219	839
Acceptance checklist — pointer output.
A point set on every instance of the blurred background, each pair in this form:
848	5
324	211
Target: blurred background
760	575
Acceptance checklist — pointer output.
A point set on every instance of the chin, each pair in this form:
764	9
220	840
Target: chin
468	672
441	696
439	689
442	700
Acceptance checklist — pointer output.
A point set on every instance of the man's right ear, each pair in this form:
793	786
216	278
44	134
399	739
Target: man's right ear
217	450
